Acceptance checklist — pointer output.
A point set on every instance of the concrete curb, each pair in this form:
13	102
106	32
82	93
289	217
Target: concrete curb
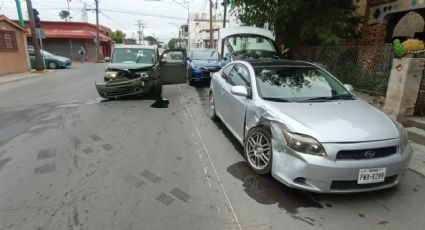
418	159
22	76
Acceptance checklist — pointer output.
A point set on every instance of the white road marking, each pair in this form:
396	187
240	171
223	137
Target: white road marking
209	158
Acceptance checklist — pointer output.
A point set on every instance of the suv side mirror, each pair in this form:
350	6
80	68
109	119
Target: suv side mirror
107	59
349	87
239	90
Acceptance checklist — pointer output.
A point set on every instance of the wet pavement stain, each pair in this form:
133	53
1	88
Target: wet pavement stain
134	181
45	154
151	176
88	150
45	169
161	103
95	137
266	190
383	222
3	162
107	147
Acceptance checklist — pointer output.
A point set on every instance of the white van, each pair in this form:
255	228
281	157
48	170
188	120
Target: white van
243	42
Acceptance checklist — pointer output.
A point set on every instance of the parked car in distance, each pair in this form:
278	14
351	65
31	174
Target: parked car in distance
297	122
202	64
52	61
140	70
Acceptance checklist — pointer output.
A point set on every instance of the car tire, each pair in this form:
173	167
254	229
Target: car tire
189	79
258	150
52	65
211	112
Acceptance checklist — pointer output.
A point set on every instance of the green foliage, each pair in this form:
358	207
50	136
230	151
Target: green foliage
64	14
118	36
152	40
173	43
302	22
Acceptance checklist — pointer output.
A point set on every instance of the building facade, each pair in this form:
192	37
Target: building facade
66	39
13	48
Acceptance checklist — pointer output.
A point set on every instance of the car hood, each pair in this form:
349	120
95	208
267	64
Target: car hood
336	121
129	66
208	63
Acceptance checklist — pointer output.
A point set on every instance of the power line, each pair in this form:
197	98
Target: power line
144	14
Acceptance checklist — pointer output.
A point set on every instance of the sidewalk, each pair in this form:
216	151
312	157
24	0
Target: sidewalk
20	76
418	159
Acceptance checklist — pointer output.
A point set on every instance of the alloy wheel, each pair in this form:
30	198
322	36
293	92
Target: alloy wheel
258	151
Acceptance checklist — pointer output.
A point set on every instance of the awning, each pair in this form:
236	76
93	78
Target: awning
74	34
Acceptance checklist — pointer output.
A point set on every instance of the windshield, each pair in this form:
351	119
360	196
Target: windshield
303	83
251	44
133	55
204	54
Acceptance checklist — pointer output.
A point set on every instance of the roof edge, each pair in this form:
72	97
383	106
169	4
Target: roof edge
4	18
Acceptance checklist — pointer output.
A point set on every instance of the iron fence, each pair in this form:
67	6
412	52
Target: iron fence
366	68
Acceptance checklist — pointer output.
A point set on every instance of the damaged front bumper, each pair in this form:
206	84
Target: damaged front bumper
114	89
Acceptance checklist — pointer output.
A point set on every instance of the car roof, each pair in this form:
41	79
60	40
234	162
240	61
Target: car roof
278	62
135	47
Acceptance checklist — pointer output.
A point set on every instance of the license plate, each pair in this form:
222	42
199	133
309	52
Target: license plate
369	176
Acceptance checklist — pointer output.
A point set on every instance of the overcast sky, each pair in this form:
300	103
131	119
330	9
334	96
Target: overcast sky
161	17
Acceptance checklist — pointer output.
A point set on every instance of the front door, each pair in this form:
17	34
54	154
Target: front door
235	106
173	67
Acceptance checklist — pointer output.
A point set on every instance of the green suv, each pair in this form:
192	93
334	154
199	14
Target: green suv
140	70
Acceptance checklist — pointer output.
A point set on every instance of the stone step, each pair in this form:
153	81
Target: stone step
416	135
418	122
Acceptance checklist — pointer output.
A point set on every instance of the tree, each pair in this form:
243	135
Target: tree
302	22
152	40
118	36
64	14
173	43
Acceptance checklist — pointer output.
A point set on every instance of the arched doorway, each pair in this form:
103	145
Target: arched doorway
403	25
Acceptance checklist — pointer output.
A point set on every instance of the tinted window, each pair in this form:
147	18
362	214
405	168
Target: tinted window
239	75
297	83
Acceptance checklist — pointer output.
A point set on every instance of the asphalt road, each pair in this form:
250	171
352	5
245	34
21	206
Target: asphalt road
69	160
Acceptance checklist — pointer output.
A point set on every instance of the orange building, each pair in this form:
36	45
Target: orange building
13	48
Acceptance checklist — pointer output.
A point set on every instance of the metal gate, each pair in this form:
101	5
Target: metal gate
420	101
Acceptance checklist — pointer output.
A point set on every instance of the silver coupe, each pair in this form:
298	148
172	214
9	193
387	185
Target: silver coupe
299	123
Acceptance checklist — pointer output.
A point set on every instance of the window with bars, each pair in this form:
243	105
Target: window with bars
8	41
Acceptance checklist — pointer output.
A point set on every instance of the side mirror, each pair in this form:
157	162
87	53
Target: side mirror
239	90
164	60
107	59
188	59
349	87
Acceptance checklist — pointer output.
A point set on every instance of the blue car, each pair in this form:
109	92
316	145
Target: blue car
202	64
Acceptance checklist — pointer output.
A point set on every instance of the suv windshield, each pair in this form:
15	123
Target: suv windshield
204	54
251	45
300	83
133	55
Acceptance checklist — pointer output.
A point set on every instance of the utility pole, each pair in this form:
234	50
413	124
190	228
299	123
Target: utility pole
188	25
211	27
225	13
69	10
97	30
140	31
224	23
38	64
18	8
